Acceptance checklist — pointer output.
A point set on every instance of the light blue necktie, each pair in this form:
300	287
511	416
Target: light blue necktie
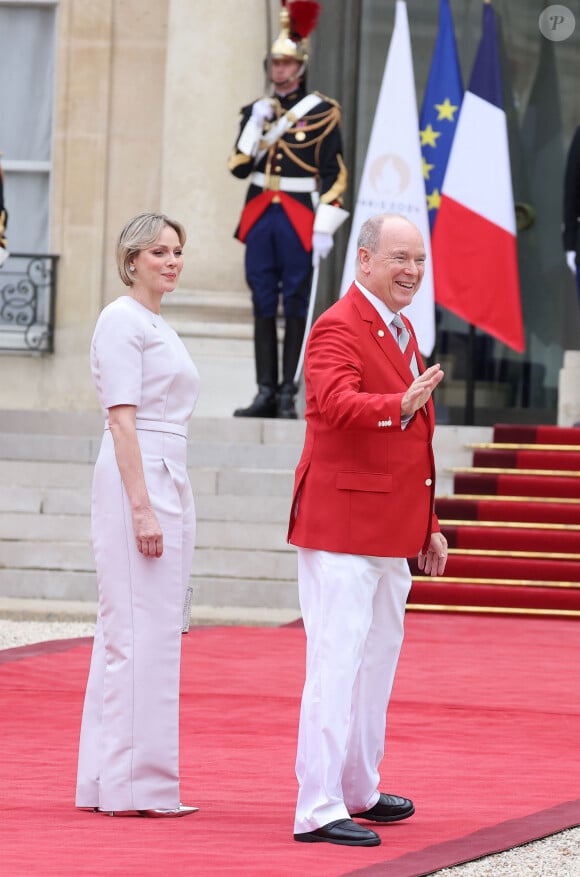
403	338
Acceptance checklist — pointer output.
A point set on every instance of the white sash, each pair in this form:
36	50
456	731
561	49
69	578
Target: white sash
286	121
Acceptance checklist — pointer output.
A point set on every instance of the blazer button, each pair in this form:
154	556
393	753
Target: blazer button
381	333
428	482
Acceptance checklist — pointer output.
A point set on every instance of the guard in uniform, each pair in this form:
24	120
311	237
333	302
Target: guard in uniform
290	148
3	221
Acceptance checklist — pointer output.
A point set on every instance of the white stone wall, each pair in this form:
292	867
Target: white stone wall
214	67
147	103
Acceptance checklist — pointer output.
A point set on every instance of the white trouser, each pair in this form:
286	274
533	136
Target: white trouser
353	609
129	744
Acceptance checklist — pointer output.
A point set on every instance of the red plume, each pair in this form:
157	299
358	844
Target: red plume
303	16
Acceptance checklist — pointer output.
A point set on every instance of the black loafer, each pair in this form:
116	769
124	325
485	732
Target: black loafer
341	831
389	808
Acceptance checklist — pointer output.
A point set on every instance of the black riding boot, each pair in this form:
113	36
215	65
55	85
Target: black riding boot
293	336
266	354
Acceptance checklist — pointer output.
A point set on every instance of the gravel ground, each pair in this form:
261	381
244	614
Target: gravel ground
23	633
555	856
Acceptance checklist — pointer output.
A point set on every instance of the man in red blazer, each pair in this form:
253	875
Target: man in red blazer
363	502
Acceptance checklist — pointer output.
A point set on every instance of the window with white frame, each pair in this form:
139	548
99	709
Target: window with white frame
27	49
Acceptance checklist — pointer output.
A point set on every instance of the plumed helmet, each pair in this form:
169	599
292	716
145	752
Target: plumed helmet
298	18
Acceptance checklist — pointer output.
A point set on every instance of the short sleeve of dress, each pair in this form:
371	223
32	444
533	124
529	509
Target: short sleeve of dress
117	357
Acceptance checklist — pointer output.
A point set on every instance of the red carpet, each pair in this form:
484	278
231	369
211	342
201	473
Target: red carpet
524	509
513	527
484	730
538	569
513	539
527	459
541	434
518	485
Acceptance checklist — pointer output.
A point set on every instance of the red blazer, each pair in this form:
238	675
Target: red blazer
363	485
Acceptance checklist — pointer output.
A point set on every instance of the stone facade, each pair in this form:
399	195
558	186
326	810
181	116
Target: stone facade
147	101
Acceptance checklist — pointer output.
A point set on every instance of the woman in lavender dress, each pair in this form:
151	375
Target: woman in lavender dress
143	530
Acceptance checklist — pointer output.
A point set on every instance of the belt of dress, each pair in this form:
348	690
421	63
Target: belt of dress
283	184
158	426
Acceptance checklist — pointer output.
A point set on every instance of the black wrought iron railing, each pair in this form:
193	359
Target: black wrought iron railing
27	303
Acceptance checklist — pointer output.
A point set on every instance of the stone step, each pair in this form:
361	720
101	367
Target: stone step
25	527
90	423
50	556
59	448
208	591
200	455
242	472
251	445
48	584
18	499
21	529
226	482
221	307
255	483
216	334
38	609
257	508
280	594
277	563
240	455
252	565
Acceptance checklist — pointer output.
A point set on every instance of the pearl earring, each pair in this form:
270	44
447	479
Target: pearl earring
131	267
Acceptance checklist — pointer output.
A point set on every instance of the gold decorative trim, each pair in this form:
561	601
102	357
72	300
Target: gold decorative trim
503	552
238	158
518	583
336	190
493	497
329	100
493	610
499	446
522	525
544	473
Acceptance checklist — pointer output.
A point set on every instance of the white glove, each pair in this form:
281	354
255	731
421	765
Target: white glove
322	244
261	111
571	260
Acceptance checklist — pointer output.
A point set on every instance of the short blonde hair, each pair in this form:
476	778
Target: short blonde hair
139	233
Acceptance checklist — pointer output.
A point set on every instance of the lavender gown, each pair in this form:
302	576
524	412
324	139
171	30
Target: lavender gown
129	742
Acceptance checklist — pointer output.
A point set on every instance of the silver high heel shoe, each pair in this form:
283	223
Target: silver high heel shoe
182	810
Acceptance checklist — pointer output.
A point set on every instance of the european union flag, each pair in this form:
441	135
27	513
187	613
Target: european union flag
441	104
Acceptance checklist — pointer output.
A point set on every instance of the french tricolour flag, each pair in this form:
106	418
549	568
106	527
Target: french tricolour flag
474	248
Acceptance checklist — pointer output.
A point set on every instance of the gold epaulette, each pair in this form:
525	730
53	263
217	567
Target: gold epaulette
329	100
237	159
